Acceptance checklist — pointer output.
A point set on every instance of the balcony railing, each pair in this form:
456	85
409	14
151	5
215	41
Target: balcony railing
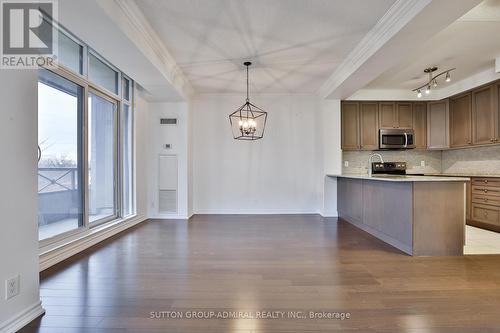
57	179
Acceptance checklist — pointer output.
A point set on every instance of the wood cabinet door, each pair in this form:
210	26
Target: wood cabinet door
437	125
404	115
368	125
420	125
497	114
350	125
387	115
483	116
461	121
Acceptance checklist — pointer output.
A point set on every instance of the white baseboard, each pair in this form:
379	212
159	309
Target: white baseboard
22	319
329	214
60	253
251	212
169	217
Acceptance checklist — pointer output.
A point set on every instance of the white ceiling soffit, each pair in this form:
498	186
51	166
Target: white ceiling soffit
466	45
294	44
407	24
126	40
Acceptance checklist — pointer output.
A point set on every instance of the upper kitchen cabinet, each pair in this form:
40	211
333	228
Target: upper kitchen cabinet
387	115
461	121
438	125
484	116
350	125
368	125
404	115
420	125
497	106
395	115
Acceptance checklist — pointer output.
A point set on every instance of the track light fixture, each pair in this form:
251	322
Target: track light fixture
432	80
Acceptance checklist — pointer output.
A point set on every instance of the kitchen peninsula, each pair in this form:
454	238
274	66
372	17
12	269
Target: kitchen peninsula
420	215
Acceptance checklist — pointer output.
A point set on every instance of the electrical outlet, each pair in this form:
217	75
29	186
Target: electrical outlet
346	164
12	287
422	163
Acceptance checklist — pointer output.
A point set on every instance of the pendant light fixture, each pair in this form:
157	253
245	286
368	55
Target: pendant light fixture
432	80
248	121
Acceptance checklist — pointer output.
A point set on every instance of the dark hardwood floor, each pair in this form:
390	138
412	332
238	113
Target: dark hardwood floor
297	263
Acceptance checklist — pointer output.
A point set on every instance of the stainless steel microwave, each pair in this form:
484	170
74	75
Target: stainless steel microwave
396	138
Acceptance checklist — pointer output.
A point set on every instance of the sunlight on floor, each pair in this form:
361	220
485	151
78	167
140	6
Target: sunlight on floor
480	241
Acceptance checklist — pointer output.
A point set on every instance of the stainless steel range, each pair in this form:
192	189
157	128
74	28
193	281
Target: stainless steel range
390	168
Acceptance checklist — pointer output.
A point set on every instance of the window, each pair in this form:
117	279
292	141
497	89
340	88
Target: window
70	53
102	74
102	115
60	190
86	143
127	149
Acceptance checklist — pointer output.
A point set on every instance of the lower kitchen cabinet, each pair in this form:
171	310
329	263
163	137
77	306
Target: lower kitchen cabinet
485	203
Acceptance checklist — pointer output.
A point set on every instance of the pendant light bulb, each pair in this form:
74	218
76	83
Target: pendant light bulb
428	89
448	77
434	83
419	94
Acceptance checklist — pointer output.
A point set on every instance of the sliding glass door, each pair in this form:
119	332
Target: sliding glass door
102	158
60	158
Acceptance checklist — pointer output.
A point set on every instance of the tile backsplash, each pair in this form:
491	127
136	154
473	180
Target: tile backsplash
476	160
358	160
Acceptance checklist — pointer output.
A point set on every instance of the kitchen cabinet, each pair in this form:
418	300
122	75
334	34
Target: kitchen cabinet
484	116
350	126
404	115
461	121
484	203
395	115
420	125
387	114
368	129
438	125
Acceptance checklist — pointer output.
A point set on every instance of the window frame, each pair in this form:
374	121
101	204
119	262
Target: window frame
83	80
116	159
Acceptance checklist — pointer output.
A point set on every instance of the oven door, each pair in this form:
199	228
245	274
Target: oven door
396	139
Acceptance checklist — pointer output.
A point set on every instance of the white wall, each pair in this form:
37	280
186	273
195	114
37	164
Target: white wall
141	120
18	196
277	174
177	136
330	128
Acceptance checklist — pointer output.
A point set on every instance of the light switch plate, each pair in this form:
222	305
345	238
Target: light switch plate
346	164
422	163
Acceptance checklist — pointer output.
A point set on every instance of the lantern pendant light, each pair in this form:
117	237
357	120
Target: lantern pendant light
248	121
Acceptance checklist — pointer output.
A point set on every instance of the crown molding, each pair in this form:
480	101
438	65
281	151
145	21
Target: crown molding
131	20
398	15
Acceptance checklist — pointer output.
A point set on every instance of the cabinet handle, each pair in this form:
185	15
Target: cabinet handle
485	200
485	191
486	181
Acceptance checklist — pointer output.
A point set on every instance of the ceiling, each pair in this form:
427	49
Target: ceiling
469	44
295	45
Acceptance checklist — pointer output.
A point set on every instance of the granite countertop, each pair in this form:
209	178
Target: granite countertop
403	178
460	175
